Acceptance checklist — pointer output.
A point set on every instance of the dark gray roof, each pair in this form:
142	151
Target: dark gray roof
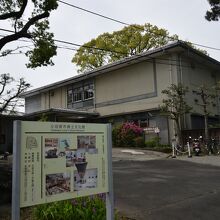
180	45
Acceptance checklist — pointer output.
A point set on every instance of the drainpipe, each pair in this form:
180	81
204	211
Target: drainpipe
49	100
94	94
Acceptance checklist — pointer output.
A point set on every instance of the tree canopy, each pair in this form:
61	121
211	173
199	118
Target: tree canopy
214	13
33	25
109	47
28	19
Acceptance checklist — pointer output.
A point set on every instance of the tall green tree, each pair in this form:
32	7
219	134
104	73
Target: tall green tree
33	25
175	106
110	47
214	13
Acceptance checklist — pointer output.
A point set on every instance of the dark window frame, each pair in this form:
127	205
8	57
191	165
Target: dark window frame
80	93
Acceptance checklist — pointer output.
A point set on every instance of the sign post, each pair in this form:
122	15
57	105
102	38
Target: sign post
16	171
54	161
109	195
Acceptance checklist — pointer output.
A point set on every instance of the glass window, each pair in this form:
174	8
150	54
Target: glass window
77	94
88	91
70	95
80	94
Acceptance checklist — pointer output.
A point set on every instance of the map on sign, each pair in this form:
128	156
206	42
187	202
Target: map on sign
62	161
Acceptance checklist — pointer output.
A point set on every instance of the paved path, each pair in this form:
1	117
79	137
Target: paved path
167	189
153	186
136	154
210	160
119	154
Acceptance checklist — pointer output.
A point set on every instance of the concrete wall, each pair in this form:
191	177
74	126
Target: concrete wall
56	98
134	88
194	75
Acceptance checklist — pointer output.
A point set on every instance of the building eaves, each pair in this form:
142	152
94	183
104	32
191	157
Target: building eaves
63	111
119	64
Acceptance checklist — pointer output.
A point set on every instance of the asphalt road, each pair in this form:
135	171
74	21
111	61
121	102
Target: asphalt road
167	189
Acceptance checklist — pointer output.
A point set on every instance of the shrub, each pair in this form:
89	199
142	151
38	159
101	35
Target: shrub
124	135
86	208
153	142
139	142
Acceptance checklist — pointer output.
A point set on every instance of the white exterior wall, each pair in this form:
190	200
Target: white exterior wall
131	89
55	98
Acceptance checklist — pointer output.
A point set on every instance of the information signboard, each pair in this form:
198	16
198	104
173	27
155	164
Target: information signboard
59	161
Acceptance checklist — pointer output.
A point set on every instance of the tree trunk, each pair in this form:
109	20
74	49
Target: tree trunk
179	135
206	128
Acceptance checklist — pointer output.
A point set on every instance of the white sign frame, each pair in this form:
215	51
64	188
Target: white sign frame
17	164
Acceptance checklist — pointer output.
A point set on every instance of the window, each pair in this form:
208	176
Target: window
80	95
77	94
70	95
88	91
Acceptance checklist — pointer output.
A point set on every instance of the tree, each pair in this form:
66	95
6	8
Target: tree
110	47
34	27
214	13
9	98
207	96
175	106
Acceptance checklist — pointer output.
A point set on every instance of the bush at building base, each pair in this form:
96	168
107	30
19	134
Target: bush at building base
128	134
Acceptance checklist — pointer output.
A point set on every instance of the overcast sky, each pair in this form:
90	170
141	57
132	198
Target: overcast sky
184	18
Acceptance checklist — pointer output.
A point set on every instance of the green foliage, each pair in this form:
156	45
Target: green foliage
214	13
139	141
207	96
85	208
34	27
127	135
44	117
129	41
175	105
196	48
155	145
44	47
153	142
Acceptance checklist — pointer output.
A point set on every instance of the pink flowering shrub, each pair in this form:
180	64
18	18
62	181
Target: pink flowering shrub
126	134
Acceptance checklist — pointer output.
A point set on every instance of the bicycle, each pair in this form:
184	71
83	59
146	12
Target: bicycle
213	147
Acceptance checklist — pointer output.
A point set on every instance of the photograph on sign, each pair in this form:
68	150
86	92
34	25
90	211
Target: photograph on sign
88	143
31	142
85	178
57	183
